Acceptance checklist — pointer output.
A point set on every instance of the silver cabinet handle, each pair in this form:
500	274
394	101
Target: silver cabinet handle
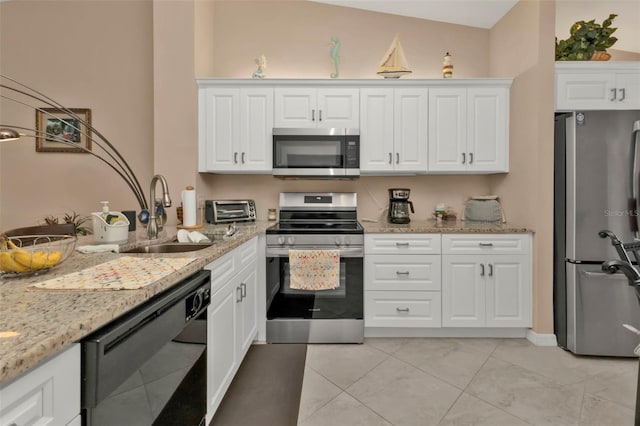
238	294
235	157
485	244
402	309
243	290
471	158
402	244
490	270
390	158
464	158
482	269
397	158
613	94
319	115
313	115
402	273
622	94
242	157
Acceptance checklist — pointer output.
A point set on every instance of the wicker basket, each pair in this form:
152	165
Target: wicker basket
600	56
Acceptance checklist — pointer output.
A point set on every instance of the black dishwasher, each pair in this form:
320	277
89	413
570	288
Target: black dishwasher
148	367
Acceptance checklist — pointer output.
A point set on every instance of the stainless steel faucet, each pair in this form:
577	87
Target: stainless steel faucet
152	226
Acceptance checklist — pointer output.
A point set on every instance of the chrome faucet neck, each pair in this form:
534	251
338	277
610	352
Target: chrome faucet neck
152	225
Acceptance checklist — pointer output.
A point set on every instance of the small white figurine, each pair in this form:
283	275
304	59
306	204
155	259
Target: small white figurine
262	64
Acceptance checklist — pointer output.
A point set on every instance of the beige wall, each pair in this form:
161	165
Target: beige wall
294	36
95	55
526	33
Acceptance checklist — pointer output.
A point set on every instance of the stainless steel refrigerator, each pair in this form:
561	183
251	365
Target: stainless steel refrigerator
595	166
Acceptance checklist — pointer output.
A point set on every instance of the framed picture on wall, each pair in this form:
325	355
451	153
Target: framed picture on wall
59	131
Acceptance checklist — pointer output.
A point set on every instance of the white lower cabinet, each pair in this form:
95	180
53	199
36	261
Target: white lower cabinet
450	280
47	395
231	318
402	280
484	284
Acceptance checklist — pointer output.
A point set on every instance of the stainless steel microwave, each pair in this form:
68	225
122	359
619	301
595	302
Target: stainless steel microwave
329	152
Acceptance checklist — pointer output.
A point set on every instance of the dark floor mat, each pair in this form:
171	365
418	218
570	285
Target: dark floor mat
266	390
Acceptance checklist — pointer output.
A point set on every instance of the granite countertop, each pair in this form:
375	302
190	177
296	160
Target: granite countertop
36	324
457	227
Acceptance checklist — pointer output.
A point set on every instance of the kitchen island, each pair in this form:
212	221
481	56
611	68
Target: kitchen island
36	324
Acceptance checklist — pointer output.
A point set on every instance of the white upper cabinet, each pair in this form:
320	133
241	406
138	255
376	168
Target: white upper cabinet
302	107
595	85
469	129
393	130
235	129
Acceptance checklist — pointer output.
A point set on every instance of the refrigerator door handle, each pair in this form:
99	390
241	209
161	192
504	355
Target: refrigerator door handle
633	181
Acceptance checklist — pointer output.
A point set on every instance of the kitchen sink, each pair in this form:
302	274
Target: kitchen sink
174	247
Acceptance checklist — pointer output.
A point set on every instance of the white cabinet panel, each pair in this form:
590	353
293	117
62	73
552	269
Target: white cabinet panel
508	291
48	395
594	85
376	129
401	243
309	107
469	130
402	309
486	243
462	292
393	272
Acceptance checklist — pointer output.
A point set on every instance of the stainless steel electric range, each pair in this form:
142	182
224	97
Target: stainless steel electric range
315	221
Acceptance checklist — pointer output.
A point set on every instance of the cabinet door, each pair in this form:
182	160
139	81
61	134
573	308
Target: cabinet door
222	359
628	90
410	130
447	130
256	130
488	130
338	108
248	309
508	291
219	127
576	91
295	107
376	130
463	292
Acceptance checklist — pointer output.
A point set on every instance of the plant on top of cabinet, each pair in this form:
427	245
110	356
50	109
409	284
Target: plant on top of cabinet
586	40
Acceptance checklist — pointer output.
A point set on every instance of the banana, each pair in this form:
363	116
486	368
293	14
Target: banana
8	264
38	260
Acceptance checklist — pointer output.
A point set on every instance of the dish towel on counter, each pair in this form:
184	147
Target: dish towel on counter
99	248
124	273
314	269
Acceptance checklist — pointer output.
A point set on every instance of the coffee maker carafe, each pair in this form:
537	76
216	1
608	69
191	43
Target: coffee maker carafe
399	205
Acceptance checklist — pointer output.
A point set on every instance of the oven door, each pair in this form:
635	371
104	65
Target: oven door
344	302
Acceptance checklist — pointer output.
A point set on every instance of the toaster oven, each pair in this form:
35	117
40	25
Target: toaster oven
225	211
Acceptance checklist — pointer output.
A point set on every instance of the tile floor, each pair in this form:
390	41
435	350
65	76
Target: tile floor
449	382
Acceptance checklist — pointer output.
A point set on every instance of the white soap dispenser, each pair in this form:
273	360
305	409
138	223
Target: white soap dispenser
105	209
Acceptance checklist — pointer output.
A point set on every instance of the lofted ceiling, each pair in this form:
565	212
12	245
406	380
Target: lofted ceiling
473	13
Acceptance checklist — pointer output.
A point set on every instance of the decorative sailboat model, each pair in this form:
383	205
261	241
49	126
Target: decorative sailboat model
394	63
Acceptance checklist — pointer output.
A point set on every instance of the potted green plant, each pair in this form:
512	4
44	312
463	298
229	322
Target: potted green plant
586	38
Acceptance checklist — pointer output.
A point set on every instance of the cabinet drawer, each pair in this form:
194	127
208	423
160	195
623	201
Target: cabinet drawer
402	309
398	243
225	267
394	272
486	243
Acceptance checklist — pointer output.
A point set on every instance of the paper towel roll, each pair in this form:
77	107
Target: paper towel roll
189	207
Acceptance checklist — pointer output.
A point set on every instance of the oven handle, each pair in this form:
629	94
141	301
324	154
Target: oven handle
344	251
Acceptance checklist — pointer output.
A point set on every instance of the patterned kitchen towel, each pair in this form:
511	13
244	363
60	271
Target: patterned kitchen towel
314	269
123	273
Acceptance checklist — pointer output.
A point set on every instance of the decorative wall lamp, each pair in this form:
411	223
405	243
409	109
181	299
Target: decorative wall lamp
14	91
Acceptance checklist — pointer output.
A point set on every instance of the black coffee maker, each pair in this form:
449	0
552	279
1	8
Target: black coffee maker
399	205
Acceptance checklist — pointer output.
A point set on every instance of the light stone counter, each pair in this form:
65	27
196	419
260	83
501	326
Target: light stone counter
36	324
430	227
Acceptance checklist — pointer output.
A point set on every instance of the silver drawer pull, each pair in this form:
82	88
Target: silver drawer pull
402	244
402	309
243	290
486	244
490	270
238	294
482	269
405	273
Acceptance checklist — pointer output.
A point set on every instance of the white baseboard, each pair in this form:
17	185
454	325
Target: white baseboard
540	339
445	332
